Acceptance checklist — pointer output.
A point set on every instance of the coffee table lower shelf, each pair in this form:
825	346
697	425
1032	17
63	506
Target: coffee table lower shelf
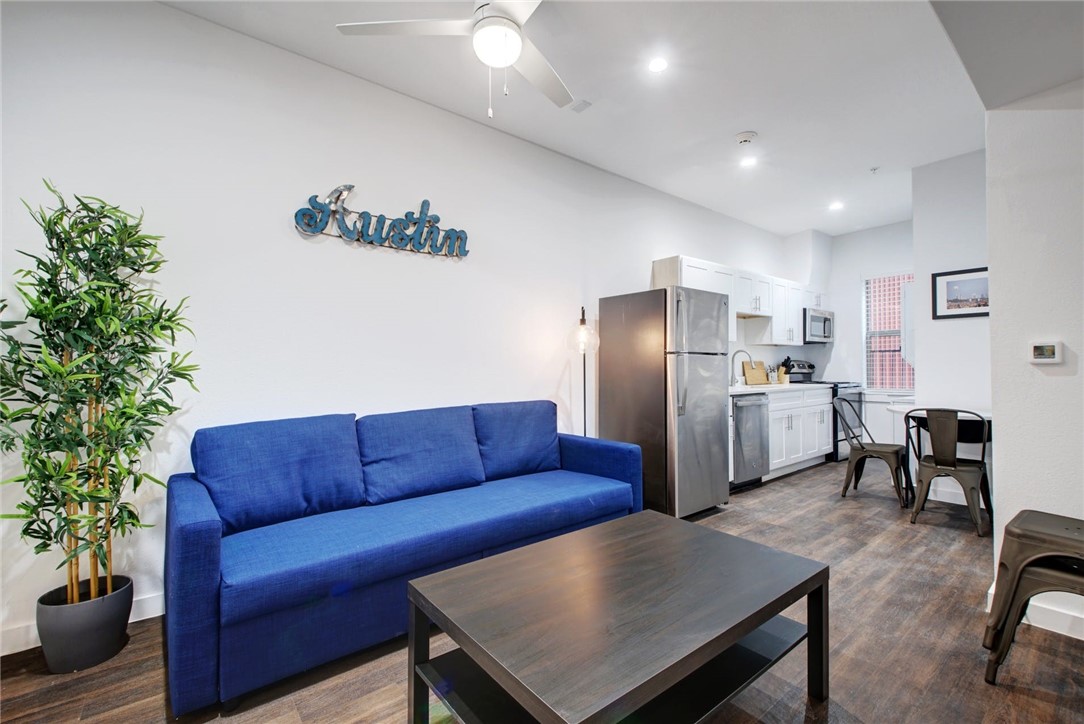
473	697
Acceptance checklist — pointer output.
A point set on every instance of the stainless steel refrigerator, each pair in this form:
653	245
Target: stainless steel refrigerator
663	384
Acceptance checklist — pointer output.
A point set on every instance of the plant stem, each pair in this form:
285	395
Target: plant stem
92	418
108	534
74	563
73	584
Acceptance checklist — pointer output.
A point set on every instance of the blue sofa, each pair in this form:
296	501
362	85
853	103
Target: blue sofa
292	542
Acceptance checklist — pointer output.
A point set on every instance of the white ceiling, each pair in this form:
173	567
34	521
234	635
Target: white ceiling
833	89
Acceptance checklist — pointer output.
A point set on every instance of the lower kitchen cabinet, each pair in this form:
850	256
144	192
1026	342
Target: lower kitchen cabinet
784	438
799	426
816	431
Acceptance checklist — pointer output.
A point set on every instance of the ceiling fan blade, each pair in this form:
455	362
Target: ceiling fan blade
518	11
409	27
533	66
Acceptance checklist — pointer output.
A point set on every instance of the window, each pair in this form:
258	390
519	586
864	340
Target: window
886	369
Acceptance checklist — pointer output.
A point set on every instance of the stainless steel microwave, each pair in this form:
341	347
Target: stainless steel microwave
819	326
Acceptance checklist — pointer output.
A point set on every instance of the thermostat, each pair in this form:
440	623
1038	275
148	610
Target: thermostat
1045	353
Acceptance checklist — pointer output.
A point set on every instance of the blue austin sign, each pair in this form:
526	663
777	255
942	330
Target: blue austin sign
412	232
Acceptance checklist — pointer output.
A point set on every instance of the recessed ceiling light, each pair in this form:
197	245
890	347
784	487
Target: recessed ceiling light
749	162
658	65
835	206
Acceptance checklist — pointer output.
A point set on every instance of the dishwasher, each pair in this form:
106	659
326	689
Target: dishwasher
750	439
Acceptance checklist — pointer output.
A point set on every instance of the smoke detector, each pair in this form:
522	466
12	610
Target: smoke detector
745	137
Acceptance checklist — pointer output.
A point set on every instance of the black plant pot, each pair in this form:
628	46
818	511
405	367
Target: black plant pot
76	636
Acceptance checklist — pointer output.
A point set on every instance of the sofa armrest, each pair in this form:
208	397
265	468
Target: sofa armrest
192	575
607	459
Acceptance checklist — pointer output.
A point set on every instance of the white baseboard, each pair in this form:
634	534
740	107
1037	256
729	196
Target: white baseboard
1045	615
780	472
21	637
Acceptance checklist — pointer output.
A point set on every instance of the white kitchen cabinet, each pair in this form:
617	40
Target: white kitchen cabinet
784	438
752	294
778	423
794	447
812	299
784	326
799	425
816	430
794	318
685	271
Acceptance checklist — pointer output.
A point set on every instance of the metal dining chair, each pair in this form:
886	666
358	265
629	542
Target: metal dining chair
943	427
1040	552
895	456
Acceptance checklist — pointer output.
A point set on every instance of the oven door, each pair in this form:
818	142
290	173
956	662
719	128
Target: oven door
818	326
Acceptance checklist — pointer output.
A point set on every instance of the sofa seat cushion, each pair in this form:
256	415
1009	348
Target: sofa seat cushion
420	452
308	559
259	473
517	438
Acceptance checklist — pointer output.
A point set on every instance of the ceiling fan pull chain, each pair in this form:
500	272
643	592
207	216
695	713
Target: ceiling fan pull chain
490	88
506	80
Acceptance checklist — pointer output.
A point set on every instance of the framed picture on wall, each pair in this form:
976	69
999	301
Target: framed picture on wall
962	293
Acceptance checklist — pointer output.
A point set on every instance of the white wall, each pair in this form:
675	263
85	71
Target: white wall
880	251
1035	183
220	138
952	356
807	259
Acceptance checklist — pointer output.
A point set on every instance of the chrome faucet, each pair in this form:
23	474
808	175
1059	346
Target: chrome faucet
734	361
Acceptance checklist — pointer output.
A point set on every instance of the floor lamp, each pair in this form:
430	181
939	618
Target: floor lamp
584	339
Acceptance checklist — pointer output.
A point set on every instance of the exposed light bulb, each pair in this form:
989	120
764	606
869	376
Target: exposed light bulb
835	206
658	65
583	338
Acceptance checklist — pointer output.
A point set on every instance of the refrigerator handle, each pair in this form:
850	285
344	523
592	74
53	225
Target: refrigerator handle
683	383
684	335
683	323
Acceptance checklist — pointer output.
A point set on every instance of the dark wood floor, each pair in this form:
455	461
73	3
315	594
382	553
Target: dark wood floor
906	630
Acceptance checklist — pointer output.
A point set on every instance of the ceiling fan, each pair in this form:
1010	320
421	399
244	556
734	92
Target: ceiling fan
496	29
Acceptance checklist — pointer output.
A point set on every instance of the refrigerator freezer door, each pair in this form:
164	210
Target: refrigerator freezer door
698	438
698	321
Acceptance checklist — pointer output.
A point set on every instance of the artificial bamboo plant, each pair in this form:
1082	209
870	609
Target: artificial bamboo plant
85	378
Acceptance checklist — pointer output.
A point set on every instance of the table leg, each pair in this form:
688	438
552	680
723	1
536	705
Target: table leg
909	497
417	653
817	642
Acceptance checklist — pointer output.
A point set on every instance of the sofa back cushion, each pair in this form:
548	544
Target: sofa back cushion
406	454
517	438
259	473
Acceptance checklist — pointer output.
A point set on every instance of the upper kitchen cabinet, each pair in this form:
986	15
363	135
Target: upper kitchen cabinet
812	299
684	271
784	326
752	294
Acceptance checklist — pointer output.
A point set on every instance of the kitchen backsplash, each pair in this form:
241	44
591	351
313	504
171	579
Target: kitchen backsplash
773	355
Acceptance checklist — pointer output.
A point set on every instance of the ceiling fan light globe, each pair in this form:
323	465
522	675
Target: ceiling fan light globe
497	42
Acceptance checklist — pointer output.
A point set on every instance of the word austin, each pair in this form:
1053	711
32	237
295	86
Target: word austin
412	232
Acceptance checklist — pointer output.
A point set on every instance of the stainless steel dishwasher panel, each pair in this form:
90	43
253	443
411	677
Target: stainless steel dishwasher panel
750	438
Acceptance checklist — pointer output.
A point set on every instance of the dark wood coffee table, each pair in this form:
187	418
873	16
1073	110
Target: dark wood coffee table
646	615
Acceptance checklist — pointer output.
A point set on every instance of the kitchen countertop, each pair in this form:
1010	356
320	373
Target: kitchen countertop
760	389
